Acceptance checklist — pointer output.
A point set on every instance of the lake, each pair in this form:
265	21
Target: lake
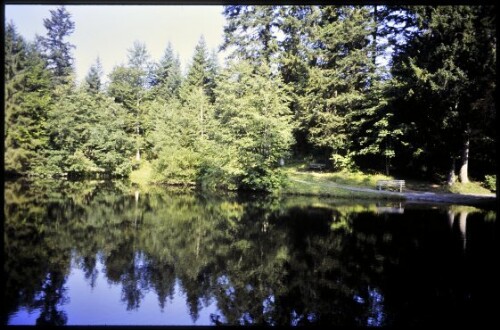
109	253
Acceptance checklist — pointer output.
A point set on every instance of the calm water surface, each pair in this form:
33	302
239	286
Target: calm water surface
96	253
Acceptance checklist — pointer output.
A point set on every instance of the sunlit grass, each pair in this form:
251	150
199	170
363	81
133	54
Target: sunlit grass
314	187
143	175
351	178
319	184
318	179
469	188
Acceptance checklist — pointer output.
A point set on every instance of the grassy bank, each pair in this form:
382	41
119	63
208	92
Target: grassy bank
317	183
300	181
143	175
307	183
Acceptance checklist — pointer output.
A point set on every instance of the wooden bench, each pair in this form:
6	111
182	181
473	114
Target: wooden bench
317	166
391	183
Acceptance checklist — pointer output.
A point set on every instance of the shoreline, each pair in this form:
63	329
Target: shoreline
353	192
413	196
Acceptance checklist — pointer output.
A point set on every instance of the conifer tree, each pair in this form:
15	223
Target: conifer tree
27	100
201	72
250	32
252	108
93	78
339	81
167	76
445	77
57	50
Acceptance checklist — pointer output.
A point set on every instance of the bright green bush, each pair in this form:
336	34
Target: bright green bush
490	182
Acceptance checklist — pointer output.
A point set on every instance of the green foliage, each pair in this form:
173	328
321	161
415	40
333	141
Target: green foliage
167	77
56	49
303	80
93	78
252	108
177	134
490	181
27	99
235	144
340	82
443	80
201	72
250	33
87	135
177	165
125	86
142	175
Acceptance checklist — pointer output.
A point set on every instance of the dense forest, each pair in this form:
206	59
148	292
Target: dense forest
405	90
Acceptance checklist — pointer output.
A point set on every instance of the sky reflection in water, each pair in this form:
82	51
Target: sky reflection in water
102	305
107	254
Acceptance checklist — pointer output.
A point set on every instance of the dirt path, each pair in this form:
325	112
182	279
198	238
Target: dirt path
417	196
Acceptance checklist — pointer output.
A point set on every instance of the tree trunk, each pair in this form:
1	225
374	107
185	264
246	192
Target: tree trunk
387	159
464	168
451	175
462	223
387	165
451	218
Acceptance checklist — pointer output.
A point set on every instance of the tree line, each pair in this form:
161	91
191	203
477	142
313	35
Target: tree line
405	90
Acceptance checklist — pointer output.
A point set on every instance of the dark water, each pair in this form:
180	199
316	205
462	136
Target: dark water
100	253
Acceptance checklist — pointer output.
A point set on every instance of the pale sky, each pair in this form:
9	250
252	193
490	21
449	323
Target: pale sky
108	31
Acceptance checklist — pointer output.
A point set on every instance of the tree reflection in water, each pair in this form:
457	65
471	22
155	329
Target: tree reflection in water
260	260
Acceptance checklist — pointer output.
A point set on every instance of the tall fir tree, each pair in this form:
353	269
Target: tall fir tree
27	100
445	77
140	60
57	50
255	121
130	86
201	72
294	60
251	32
339	81
167	76
93	80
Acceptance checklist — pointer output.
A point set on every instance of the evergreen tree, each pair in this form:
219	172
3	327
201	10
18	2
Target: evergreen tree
340	80
125	86
167	76
93	78
15	52
212	71
179	136
445	76
201	72
56	49
250	32
129	86
140	60
88	136
294	60
252	108
27	100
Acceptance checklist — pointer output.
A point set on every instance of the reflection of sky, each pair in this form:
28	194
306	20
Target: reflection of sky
102	305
